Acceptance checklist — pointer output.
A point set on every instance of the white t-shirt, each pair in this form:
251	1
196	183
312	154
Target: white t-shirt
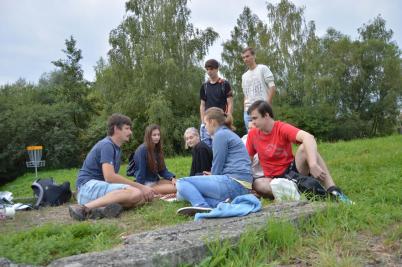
255	84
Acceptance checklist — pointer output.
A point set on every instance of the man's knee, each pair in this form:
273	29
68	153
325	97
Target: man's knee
134	196
262	187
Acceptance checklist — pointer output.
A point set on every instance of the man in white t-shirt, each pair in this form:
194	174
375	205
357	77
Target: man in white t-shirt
257	82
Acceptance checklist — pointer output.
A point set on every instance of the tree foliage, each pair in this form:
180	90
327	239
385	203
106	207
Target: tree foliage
153	68
334	87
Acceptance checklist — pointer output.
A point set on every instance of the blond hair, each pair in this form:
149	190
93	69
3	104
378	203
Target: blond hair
190	130
220	117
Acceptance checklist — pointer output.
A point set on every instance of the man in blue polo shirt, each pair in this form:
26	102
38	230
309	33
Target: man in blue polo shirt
102	191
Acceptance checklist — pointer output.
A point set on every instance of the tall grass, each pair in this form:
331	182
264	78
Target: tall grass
369	172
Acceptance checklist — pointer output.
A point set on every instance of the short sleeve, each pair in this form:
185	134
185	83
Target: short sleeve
268	76
290	132
203	96
249	144
228	89
107	154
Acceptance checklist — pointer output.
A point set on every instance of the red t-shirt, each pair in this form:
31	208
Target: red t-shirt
274	149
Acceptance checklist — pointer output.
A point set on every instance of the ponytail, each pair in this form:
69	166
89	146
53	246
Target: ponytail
220	117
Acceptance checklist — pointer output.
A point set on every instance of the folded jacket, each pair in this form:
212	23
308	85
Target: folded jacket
240	206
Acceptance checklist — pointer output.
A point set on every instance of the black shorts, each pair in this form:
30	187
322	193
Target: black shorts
292	167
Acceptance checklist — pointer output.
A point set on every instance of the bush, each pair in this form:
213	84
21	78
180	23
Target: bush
37	124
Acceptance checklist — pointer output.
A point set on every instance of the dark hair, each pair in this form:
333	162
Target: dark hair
221	117
248	49
117	120
212	63
156	160
262	107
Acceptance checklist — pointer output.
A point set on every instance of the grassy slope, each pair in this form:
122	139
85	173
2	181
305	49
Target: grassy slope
369	171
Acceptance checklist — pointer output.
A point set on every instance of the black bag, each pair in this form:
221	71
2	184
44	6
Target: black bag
48	193
131	165
307	185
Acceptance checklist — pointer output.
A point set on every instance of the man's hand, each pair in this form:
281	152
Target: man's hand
206	173
174	180
148	193
318	172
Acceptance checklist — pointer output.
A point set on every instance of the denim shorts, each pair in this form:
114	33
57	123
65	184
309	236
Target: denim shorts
95	189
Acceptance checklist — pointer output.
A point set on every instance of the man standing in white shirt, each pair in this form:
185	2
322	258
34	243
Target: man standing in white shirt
257	82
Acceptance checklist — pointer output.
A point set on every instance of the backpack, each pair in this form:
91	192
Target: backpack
307	185
48	193
131	165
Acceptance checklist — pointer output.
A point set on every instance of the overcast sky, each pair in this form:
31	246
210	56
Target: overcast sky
32	33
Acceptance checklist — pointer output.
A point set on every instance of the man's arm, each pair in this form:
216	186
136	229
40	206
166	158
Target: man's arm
310	147
112	177
230	105
202	110
270	94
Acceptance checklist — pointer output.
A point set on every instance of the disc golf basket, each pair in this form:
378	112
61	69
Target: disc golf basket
35	158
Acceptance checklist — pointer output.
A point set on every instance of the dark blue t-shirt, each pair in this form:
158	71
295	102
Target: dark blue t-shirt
105	151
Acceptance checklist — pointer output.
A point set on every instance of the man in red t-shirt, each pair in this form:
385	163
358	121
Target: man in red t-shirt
273	140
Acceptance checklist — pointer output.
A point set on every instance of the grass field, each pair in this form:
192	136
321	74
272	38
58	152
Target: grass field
369	171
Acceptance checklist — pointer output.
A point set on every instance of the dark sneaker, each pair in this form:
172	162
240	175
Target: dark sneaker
191	211
78	212
109	211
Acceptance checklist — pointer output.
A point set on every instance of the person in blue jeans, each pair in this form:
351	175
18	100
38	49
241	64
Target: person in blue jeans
230	175
150	163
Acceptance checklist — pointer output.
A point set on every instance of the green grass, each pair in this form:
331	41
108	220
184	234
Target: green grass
21	187
369	172
41	245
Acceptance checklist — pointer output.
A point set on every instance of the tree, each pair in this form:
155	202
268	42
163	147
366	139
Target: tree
71	86
154	59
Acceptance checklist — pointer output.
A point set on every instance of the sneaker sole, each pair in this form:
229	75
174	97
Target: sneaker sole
74	215
191	211
109	211
112	210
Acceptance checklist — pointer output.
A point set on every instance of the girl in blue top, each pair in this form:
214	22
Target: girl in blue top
230	175
150	163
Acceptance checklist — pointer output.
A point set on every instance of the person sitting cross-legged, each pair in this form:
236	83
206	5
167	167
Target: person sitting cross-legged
150	168
102	192
273	140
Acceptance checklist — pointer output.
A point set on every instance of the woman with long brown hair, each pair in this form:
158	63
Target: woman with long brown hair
150	163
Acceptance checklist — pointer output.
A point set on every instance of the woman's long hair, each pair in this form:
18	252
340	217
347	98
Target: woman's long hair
156	160
220	117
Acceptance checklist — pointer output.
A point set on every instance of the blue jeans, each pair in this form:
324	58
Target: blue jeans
94	189
247	119
208	190
204	135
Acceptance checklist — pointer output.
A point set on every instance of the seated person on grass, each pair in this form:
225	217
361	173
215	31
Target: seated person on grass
230	174
255	164
101	191
201	153
272	140
150	163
